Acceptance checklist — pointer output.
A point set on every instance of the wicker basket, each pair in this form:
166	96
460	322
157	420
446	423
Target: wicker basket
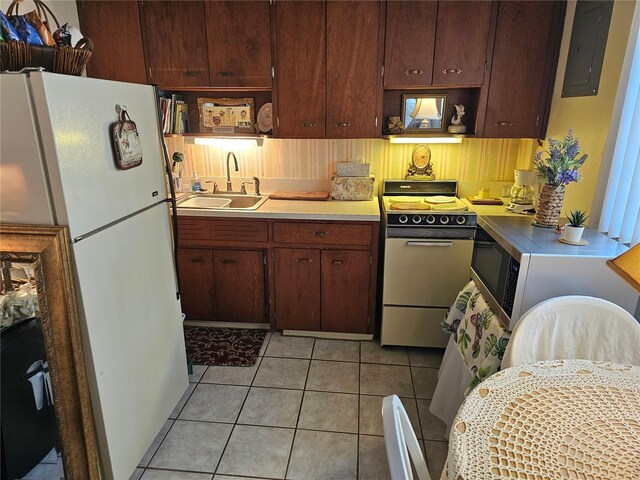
14	56
549	206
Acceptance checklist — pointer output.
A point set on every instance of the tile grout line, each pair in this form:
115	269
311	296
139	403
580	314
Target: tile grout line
358	425
295	431
226	444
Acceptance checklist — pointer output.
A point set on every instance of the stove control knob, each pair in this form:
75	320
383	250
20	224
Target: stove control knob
416	219
444	219
430	219
461	220
403	219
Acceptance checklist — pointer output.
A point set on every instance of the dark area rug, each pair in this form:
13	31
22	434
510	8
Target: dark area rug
233	347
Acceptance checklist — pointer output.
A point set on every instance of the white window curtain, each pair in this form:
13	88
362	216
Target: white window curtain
620	216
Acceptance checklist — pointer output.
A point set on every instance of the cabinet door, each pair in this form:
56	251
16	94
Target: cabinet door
524	58
345	291
240	285
176	43
409	43
114	28
354	94
297	288
239	39
196	283
300	68
461	43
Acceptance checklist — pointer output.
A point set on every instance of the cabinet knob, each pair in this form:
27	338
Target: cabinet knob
451	70
227	261
304	260
338	262
193	73
503	124
321	234
197	260
308	124
414	72
225	74
343	124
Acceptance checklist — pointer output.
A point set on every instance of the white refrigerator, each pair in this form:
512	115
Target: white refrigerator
58	168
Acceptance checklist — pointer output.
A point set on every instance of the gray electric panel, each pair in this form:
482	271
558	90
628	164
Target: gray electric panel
587	47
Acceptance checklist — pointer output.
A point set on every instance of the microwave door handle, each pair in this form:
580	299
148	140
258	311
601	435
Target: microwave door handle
412	243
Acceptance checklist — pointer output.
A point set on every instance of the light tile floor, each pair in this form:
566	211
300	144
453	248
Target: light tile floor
309	409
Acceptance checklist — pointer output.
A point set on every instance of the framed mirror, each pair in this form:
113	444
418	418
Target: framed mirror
422	113
47	422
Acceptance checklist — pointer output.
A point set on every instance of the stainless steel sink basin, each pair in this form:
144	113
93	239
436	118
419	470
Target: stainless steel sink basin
222	201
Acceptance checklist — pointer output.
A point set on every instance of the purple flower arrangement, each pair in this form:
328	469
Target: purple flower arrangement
561	166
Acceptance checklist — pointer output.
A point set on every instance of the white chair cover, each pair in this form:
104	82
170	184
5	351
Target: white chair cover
401	442
574	327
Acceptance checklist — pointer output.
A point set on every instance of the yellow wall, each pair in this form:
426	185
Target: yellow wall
590	116
473	160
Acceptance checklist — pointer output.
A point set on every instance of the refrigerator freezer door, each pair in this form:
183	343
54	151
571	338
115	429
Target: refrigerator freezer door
74	115
133	337
24	193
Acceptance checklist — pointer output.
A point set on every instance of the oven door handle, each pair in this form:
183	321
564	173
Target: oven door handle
413	243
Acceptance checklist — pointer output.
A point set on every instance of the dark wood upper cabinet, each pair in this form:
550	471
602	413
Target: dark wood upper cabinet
345	291
354	87
300	68
175	43
240	286
114	28
409	43
239	41
525	56
461	43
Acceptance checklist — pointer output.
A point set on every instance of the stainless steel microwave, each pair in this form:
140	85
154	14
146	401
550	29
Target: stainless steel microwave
516	265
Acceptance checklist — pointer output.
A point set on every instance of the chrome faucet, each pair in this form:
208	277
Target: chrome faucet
235	160
256	183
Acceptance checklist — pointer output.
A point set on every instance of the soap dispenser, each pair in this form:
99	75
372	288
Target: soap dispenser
196	185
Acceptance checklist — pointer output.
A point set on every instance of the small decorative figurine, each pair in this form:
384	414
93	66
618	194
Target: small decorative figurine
395	126
456	121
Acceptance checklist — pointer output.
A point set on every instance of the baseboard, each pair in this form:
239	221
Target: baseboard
199	323
328	335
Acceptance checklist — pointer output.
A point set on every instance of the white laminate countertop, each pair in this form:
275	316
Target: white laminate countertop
340	210
493	210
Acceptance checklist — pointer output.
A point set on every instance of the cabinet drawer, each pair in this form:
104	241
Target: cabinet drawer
197	231
322	233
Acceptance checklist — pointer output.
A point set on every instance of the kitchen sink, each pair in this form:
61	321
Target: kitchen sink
222	201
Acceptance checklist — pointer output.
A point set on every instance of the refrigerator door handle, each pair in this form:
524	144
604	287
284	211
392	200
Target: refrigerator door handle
172	194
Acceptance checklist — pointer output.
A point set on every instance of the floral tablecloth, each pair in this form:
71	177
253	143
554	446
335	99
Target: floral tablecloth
478	333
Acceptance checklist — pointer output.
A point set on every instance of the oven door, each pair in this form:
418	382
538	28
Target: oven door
493	265
425	273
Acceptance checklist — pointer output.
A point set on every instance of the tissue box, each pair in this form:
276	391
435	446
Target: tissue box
352	188
352	169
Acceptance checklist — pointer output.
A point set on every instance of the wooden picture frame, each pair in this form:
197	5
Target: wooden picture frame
47	249
414	107
226	115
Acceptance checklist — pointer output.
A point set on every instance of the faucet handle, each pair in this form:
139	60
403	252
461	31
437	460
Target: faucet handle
215	186
243	189
256	181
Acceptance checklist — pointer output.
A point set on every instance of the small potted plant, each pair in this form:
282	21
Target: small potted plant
574	229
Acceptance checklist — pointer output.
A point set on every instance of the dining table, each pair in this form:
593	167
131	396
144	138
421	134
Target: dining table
554	419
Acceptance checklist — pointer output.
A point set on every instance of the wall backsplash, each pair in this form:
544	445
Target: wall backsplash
473	160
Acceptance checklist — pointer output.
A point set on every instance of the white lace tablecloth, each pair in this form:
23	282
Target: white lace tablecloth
557	419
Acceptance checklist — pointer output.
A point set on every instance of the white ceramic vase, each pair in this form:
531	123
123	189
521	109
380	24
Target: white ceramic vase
573	234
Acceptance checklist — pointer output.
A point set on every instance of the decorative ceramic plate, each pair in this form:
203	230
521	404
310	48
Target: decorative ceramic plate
265	118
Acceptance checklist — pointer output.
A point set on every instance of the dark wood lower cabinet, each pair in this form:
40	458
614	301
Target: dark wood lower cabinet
239	286
297	290
196	283
345	291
